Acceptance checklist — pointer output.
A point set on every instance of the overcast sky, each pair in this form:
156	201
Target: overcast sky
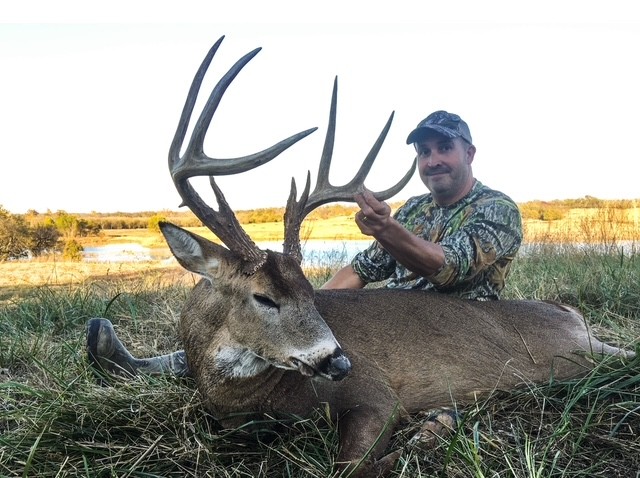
90	99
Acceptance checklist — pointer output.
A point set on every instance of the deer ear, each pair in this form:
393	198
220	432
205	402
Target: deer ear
193	252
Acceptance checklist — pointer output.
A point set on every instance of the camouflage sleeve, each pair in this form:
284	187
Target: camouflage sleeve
491	232
374	263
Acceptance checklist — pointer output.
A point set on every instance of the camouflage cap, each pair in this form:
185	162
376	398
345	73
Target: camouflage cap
447	124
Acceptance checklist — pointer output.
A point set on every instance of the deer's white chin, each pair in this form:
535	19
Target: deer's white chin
239	363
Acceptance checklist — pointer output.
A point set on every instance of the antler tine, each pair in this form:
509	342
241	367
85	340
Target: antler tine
324	192
187	110
194	162
322	181
293	216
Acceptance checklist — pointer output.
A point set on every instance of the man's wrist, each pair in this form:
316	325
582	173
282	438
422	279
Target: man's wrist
392	233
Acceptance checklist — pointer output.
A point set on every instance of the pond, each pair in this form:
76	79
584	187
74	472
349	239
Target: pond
314	252
127	252
321	252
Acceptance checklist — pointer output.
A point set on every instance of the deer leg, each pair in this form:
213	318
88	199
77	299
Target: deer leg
440	423
107	354
365	432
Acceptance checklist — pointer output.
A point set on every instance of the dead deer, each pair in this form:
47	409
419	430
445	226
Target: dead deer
260	340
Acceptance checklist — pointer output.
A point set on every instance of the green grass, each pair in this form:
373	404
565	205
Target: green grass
55	421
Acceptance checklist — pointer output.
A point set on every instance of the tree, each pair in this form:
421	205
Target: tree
14	235
43	238
66	224
32	217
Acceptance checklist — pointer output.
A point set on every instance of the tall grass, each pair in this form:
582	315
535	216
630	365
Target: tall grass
56	421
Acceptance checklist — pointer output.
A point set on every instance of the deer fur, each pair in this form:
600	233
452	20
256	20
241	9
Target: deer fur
266	343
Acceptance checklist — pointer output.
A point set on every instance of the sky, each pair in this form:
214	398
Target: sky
91	93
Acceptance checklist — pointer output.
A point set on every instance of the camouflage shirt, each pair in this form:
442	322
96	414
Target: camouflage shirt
480	235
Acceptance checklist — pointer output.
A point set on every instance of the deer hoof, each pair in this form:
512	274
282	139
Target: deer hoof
439	424
106	354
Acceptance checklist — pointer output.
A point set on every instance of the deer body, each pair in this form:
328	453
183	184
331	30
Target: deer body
428	349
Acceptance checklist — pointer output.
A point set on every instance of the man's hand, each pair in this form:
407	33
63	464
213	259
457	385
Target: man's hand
415	253
374	215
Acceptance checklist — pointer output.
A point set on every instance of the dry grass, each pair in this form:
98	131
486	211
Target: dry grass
587	226
54	420
579	225
18	278
335	228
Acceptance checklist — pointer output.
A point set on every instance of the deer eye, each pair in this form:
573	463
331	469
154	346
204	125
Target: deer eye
265	301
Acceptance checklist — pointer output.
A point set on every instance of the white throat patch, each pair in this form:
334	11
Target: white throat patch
239	363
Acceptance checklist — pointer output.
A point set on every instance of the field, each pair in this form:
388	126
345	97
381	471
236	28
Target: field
56	421
588	225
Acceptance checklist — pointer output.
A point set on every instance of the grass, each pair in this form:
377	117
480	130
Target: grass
55	421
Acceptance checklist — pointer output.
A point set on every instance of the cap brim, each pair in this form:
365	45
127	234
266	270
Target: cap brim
422	132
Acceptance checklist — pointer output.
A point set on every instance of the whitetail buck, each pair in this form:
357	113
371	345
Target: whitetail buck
260	340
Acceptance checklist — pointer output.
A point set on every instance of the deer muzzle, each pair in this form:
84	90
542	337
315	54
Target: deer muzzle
336	366
333	367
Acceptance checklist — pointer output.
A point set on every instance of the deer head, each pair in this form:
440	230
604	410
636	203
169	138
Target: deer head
260	301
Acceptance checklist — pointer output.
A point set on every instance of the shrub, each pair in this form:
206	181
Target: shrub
154	222
541	211
72	250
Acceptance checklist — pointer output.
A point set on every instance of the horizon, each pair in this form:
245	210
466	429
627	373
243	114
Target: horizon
394	203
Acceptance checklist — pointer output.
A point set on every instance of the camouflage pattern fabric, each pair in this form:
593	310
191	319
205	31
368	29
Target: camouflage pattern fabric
480	235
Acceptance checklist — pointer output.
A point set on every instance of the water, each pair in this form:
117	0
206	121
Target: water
314	252
319	252
128	252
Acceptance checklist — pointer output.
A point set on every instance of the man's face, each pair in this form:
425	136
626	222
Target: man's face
444	165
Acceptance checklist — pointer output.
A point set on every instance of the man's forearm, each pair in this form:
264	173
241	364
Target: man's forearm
345	278
416	254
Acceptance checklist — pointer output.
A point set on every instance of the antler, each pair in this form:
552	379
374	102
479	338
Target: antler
194	162
324	192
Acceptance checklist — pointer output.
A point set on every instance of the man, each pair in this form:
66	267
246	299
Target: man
458	239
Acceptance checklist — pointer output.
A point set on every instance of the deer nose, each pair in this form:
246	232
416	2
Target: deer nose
338	365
